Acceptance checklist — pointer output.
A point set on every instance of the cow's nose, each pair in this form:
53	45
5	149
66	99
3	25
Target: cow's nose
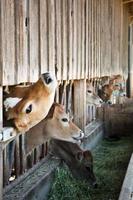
47	77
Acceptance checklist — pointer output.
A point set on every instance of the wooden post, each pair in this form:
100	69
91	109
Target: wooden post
131	60
1	149
80	103
1	172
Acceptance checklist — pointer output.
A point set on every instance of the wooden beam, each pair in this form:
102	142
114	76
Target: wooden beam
1	172
80	103
127	1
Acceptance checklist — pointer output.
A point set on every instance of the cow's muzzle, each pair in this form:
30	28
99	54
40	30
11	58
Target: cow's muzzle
47	77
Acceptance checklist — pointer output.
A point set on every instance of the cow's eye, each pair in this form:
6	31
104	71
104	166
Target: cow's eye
29	109
64	119
89	91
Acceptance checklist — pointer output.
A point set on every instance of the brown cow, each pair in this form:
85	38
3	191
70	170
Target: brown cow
27	106
115	89
56	125
80	162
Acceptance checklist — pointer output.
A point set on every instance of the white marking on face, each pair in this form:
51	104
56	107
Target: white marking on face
11	102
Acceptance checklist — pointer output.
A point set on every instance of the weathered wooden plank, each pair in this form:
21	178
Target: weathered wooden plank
33	41
90	39
79	4
21	41
75	13
80	100
1	172
51	35
43	36
64	39
70	40
1	108
58	40
1	58
83	65
8	41
87	39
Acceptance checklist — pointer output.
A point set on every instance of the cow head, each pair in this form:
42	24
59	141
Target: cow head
33	103
64	128
91	96
80	162
56	125
85	163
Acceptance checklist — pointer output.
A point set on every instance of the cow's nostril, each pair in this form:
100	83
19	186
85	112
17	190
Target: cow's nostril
48	80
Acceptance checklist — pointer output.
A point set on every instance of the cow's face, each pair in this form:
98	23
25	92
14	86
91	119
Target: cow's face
64	128
34	105
85	164
92	97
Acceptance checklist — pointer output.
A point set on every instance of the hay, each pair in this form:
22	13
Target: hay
110	164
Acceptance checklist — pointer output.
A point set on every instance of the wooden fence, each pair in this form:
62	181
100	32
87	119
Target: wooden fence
76	39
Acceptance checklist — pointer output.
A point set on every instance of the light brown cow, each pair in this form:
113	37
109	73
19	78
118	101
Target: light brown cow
56	125
27	106
91	96
115	89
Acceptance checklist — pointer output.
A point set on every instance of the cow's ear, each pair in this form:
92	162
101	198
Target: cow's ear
88	155
58	110
79	155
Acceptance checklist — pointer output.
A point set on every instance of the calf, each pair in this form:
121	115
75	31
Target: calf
27	106
80	162
113	90
91	96
56	125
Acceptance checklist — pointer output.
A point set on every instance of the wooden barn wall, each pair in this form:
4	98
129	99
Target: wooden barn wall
125	30
76	39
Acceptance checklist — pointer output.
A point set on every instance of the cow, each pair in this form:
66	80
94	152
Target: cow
91	96
79	161
65	146
26	106
57	125
111	92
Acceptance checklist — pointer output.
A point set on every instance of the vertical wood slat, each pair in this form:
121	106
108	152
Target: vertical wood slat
43	36
78	38
70	39
86	38
33	40
51	35
75	21
80	100
1	171
1	59
21	41
58	38
8	41
64	39
83	65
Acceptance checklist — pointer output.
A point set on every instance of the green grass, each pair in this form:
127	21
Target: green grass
110	163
